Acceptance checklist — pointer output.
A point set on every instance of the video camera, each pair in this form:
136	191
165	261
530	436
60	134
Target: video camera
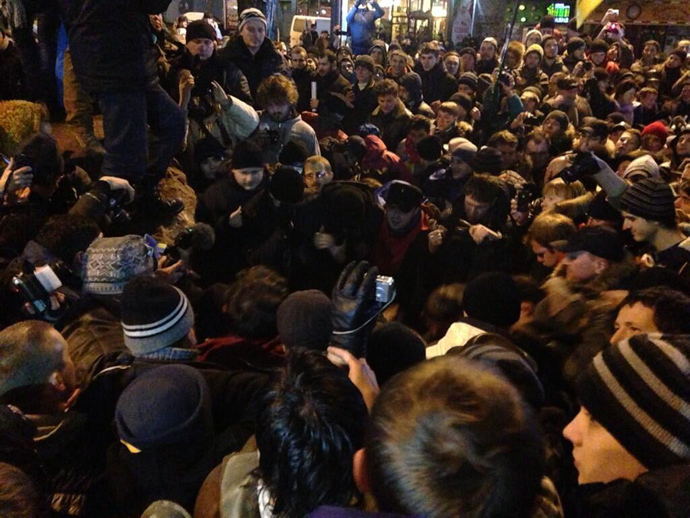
37	286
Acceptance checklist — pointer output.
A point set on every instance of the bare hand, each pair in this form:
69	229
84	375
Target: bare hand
360	373
436	239
475	114
235	219
323	240
12	181
479	233
519	217
119	184
314	104
185	87
219	94
170	274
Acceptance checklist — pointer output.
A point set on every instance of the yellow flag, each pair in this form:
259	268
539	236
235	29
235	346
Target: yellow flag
584	8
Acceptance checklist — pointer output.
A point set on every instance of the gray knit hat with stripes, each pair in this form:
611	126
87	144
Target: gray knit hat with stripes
651	199
639	390
154	314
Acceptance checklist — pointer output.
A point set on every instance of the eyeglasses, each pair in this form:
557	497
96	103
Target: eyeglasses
315	174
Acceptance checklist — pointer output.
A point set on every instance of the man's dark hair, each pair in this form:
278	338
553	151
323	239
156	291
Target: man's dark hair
503	137
451	438
66	235
483	188
253	300
671	308
430	47
420	122
309	427
43	153
386	87
19	497
549	227
328	54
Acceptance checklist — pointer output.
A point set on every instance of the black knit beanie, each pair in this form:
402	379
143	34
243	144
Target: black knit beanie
493	298
287	185
304	320
488	160
200	29
247	155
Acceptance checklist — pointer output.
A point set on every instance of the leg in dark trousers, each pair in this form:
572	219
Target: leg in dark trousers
126	116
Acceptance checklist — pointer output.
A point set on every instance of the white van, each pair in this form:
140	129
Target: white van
299	23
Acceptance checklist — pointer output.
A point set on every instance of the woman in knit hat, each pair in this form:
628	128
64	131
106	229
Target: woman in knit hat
631	438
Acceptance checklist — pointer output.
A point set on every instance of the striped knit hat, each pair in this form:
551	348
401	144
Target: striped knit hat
639	390
155	315
651	199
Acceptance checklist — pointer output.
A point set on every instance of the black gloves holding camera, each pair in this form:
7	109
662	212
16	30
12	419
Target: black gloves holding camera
353	304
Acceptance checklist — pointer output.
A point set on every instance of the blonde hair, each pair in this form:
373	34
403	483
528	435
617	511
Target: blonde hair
566	191
318	161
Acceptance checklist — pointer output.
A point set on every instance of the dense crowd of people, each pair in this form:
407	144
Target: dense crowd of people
408	280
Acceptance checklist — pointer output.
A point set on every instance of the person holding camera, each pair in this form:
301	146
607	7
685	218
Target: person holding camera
361	22
203	60
212	113
279	122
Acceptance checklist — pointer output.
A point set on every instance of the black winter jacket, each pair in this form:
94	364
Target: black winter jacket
256	67
437	84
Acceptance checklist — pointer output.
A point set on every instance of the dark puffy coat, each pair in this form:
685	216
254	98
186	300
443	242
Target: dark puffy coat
437	84
256	67
112	43
216	68
365	103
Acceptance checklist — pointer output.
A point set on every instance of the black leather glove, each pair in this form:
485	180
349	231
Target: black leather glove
353	303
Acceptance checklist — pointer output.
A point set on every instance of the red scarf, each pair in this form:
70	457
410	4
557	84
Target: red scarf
390	249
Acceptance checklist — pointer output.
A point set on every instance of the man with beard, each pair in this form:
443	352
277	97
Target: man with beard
487	57
279	122
551	62
334	92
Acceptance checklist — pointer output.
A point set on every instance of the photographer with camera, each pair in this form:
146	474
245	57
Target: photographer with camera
361	23
212	113
45	280
202	59
37	184
279	122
